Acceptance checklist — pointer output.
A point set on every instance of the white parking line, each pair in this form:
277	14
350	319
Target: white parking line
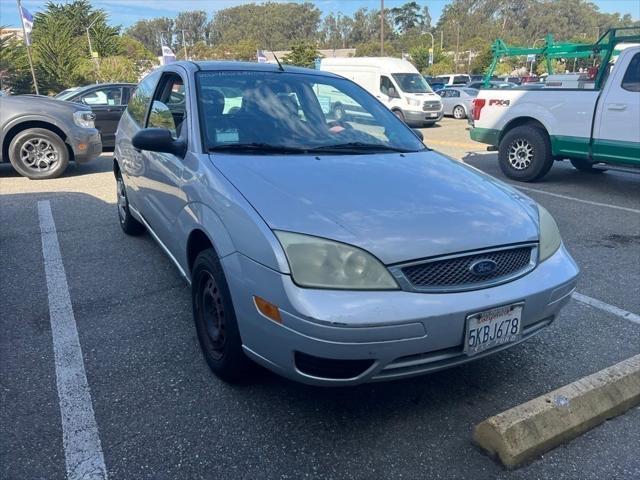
567	197
632	317
82	448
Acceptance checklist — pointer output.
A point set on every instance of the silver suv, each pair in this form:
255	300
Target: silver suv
329	250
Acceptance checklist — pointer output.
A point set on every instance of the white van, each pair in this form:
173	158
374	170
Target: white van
395	82
451	79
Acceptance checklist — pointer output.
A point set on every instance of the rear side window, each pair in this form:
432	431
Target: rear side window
141	98
460	79
631	80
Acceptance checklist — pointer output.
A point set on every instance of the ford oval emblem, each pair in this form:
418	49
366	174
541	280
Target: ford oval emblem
483	267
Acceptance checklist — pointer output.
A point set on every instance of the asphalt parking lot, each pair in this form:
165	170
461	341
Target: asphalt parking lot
161	414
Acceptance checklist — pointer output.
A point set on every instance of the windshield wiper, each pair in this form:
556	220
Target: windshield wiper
358	146
255	147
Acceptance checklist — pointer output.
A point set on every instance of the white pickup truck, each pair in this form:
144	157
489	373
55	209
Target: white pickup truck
587	125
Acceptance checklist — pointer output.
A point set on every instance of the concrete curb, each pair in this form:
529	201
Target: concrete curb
530	429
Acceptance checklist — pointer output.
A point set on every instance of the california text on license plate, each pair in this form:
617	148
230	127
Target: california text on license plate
488	329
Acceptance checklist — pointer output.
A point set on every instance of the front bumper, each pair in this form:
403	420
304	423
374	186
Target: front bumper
400	334
85	143
421	117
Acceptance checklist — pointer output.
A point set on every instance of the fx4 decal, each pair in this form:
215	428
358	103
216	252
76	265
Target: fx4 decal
498	102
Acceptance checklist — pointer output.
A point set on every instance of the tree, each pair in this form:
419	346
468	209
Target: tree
406	17
481	63
271	25
335	31
420	58
372	49
15	74
150	33
190	27
302	54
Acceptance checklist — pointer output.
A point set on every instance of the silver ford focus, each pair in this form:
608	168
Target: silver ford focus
331	250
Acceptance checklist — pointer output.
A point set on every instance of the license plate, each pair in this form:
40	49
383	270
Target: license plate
488	329
433	115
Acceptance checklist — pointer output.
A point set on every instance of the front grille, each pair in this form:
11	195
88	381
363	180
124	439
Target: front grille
431	106
455	273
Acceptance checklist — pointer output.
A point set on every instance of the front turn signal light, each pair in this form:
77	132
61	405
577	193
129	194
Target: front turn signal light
269	310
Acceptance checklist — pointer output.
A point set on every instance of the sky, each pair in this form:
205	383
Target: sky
127	12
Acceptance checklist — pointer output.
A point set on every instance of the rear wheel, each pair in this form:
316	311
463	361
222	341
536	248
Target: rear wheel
525	153
585	166
38	154
215	320
459	112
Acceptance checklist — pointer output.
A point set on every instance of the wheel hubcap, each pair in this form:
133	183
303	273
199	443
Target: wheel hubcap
122	200
457	112
39	154
520	154
213	314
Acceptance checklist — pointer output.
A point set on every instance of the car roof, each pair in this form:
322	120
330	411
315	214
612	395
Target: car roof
215	65
97	85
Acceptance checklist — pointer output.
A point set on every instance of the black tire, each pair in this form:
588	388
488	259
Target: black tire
459	112
585	166
399	114
215	320
129	225
525	153
38	154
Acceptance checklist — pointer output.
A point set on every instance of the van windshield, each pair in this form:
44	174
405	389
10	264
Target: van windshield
411	83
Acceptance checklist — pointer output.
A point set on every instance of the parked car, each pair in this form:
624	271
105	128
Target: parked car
453	79
492	84
395	82
457	101
435	85
589	122
107	101
40	135
330	252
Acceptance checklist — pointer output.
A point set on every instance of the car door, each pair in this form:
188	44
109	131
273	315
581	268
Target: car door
161	185
617	125
106	103
446	101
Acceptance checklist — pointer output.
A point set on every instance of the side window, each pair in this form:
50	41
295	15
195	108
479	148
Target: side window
385	84
141	98
168	109
631	80
110	97
454	93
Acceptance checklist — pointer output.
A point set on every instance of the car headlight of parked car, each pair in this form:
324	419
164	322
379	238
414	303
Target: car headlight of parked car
84	119
550	239
320	263
413	102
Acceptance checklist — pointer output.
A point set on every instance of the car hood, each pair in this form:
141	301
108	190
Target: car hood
27	104
399	207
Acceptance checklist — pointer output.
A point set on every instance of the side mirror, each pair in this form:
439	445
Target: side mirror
158	140
418	134
392	93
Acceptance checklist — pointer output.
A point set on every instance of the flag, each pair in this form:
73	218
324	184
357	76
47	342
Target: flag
27	24
167	55
262	58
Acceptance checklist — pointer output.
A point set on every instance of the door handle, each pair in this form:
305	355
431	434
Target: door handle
617	106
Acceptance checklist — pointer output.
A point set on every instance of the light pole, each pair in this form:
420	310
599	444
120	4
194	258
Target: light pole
432	47
382	28
534	46
457	48
89	40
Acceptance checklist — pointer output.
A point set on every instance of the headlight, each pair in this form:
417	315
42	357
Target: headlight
84	119
414	102
320	263
549	234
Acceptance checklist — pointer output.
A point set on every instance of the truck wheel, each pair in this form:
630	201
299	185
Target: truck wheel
38	154
129	225
399	114
525	154
459	113
215	320
585	166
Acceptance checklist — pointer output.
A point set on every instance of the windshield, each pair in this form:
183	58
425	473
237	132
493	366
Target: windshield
411	83
281	112
63	95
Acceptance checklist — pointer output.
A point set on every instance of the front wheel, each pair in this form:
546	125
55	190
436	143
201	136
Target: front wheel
585	166
525	154
399	114
38	154
459	112
215	319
